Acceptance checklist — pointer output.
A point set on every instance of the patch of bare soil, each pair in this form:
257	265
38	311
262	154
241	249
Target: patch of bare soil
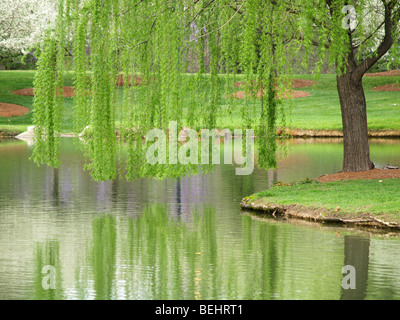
388	87
389	73
12	110
136	81
376	174
132	81
295	94
25	92
68	92
302	83
297	83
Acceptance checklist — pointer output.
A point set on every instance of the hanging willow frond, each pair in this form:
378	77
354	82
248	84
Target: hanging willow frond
175	61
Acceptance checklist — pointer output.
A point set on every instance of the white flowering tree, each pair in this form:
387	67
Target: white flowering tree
22	24
371	21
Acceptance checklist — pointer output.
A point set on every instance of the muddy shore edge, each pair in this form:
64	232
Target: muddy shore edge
318	215
294	133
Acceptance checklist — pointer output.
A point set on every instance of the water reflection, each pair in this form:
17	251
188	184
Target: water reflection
356	254
47	286
179	238
156	257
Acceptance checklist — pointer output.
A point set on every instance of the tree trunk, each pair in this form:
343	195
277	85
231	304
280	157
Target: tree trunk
355	128
351	92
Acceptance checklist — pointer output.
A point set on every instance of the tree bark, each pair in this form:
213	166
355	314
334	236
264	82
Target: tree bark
352	97
355	128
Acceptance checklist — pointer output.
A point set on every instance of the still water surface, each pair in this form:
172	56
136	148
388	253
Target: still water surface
180	238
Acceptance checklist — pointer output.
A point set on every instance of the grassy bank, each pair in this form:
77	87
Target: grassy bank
11	81
320	111
353	200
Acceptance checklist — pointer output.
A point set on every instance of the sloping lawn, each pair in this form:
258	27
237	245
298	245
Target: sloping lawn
320	111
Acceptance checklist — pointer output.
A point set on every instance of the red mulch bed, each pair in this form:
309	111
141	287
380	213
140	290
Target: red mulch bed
297	83
68	92
294	94
388	87
137	81
12	110
376	174
302	83
390	73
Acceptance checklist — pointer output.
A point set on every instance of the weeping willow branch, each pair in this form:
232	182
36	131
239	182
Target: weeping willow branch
216	30
139	65
198	13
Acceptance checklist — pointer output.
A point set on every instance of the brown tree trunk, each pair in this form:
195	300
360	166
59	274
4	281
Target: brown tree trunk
351	92
355	128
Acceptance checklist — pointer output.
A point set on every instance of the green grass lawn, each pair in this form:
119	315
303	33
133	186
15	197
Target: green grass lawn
322	109
14	80
319	111
381	199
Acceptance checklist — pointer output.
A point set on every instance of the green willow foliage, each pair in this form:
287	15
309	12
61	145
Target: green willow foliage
184	52
48	99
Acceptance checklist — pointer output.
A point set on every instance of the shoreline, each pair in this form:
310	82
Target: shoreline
318	215
304	133
294	133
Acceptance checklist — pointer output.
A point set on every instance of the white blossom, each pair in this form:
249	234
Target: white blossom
23	22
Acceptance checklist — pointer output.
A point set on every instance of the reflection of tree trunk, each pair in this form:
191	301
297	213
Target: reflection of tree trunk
103	255
270	261
56	192
114	190
274	178
178	196
356	254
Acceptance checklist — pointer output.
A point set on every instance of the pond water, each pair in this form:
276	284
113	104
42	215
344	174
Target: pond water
180	238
